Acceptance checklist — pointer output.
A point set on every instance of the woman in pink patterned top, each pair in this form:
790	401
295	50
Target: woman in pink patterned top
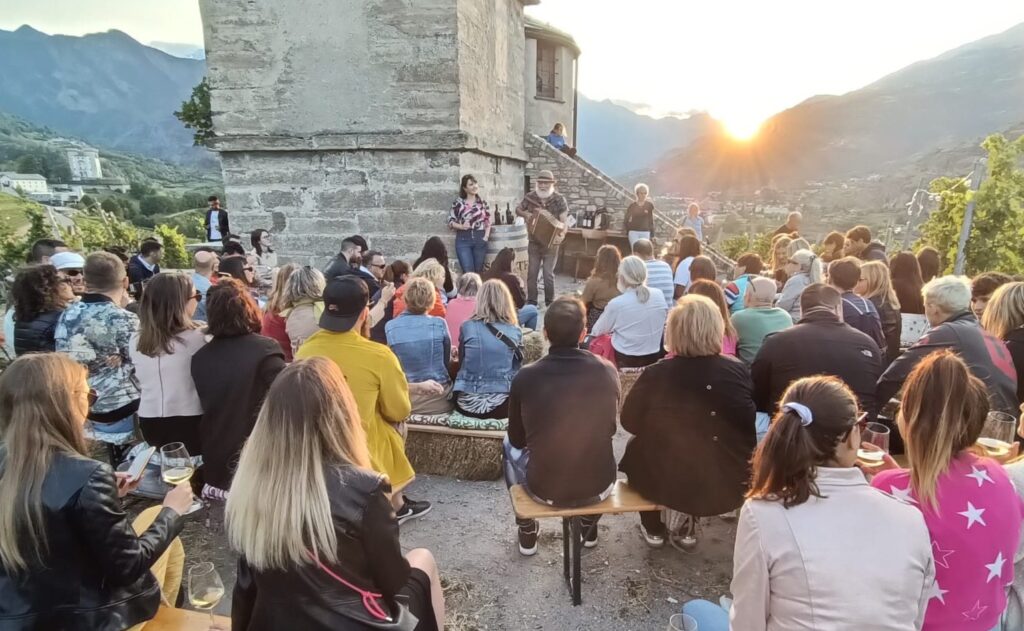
470	218
970	506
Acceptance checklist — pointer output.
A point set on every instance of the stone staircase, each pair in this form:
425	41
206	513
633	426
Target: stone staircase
586	187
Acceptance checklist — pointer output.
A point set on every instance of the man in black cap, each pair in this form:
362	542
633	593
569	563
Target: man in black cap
375	377
543	251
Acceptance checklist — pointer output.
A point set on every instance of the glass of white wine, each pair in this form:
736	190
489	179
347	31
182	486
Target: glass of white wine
997	434
175	464
205	589
876	435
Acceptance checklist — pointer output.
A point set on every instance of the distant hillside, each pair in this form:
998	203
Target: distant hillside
616	139
946	102
187	51
106	88
18	137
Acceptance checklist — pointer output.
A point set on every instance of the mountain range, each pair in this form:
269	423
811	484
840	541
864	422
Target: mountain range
111	90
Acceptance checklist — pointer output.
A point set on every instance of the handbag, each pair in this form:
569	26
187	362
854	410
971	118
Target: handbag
373	613
516	350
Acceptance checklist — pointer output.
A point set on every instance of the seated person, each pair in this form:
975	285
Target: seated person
603	285
635	319
568	398
692	418
858	312
558	140
982	287
947	305
433	271
94	571
501	269
423	347
759	319
490	354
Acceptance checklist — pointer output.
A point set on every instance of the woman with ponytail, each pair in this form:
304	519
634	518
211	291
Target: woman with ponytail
635	319
816	546
804	268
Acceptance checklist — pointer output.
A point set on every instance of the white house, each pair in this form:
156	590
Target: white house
84	162
29	183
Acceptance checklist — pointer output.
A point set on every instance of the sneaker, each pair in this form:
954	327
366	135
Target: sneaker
528	539
655	541
590	536
686	540
412	509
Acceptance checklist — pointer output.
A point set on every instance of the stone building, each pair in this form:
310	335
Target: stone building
360	116
84	163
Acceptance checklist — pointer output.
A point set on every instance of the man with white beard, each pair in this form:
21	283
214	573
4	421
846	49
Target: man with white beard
544	198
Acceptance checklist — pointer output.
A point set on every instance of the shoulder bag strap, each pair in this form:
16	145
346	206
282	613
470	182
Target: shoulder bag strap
518	352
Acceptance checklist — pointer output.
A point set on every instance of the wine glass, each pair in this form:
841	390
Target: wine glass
875	434
205	589
681	622
175	464
997	434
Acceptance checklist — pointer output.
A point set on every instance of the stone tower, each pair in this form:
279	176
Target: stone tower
341	117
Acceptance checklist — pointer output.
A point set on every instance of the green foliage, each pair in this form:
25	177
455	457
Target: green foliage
740	244
175	255
192	200
195	113
49	163
14	247
112	206
139	189
157	205
998	226
91	233
87	201
188	223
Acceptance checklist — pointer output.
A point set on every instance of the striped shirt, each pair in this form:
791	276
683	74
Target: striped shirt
659	276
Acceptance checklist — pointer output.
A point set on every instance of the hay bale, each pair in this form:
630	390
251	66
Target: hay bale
453	453
627	377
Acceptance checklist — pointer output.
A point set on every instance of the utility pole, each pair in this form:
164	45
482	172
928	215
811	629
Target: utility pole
965	229
914	201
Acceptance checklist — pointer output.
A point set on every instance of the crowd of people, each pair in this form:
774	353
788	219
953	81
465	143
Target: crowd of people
291	388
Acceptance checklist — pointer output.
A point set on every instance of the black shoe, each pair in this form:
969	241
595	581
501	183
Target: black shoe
528	539
412	509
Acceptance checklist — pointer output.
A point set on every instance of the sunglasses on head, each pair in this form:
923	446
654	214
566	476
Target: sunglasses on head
861	423
92	397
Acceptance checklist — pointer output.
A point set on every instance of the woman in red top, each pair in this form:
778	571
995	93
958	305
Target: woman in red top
273	325
433	271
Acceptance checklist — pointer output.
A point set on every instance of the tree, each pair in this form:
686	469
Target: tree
111	206
175	255
190	201
87	201
14	247
138	190
157	205
993	243
29	163
195	113
737	245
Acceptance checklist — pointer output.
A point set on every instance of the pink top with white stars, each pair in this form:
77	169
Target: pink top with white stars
974	536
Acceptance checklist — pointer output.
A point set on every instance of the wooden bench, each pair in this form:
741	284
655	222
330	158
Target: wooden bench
622	500
171	619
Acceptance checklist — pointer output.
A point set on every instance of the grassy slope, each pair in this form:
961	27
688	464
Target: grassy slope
12	212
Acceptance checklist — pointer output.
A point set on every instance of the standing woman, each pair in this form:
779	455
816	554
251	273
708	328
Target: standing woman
69	556
636	319
313	523
304	304
603	284
640	215
687	249
1004	318
232	374
39	295
787	574
490	354
162	351
274	324
874	284
969	504
713	291
434	248
803	269
908	283
470	218
692	418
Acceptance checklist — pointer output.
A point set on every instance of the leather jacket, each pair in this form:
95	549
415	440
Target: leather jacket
306	597
36	335
95	573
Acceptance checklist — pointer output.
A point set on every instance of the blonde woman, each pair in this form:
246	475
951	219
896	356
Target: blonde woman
803	268
161	352
303	297
876	285
490	354
274	324
433	271
69	557
640	215
1004	318
969	504
779	258
692	418
424	348
635	319
314	524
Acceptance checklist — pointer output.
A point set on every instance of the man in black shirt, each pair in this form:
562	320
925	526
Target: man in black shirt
561	419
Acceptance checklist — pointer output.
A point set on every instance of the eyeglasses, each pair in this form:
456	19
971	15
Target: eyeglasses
381	265
861	423
197	296
71	272
247	269
92	397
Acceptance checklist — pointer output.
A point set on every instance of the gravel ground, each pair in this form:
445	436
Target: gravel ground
490	586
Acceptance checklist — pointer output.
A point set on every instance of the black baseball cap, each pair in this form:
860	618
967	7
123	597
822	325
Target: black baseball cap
345	299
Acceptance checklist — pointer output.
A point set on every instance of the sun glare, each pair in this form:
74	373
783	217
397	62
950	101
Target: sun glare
740	128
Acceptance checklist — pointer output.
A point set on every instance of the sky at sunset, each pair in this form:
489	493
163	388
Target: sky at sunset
741	60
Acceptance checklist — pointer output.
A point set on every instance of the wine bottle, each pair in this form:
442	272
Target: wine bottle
497	216
508	214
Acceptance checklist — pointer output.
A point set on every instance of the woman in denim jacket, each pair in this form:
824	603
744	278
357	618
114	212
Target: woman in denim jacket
423	347
490	354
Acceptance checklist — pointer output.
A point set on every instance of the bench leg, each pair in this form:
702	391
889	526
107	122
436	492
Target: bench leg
576	532
566	560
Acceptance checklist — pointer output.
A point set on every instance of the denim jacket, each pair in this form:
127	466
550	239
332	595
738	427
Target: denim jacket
422	345
487	364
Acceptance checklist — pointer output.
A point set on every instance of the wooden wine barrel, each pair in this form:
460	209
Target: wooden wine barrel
514	237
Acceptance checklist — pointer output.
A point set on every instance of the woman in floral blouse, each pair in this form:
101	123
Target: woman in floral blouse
470	218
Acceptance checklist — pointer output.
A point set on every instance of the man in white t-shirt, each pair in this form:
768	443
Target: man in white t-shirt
216	223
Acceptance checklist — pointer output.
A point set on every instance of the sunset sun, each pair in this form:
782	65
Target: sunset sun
741	127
